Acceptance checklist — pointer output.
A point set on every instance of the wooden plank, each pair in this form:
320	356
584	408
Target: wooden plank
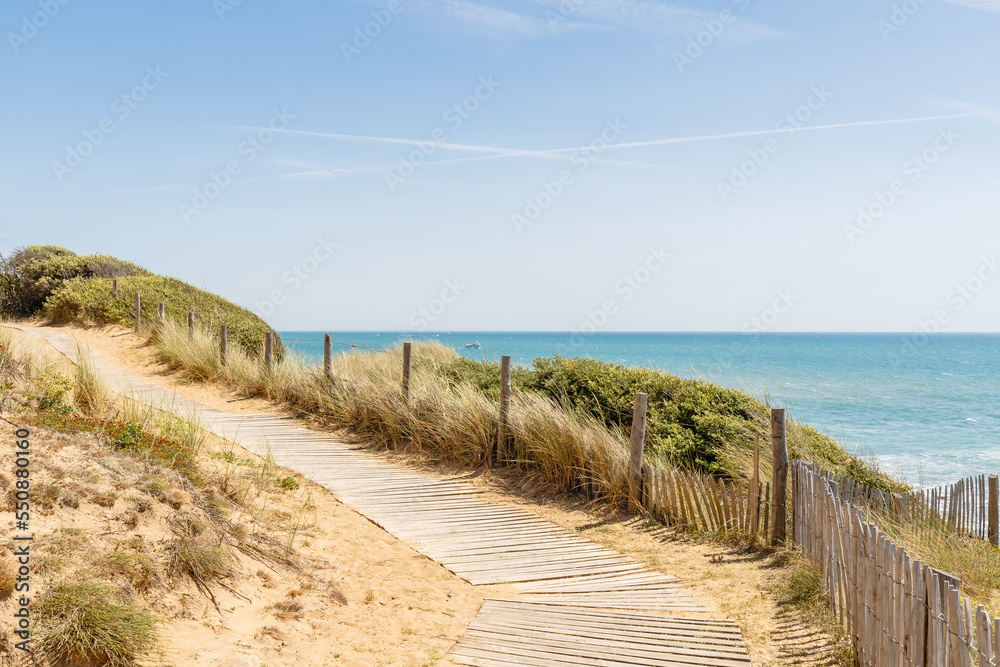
522	633
565	619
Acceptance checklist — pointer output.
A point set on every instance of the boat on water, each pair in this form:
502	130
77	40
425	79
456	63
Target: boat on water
471	346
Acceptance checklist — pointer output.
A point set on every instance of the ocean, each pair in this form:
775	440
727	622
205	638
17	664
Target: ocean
923	406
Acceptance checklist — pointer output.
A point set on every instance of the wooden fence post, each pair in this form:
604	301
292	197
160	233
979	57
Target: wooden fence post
766	520
754	495
635	455
138	312
994	534
406	371
222	343
502	452
779	476
160	310
114	287
328	356
269	348
190	324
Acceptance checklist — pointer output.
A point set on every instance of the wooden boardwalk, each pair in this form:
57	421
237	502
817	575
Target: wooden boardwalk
574	590
519	633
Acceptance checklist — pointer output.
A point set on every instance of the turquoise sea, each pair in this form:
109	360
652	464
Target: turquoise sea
925	407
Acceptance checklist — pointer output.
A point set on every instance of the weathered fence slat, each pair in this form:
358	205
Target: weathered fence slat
896	610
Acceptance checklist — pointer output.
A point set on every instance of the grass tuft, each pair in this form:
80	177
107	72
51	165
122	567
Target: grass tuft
286	609
139	569
83	622
194	556
8	576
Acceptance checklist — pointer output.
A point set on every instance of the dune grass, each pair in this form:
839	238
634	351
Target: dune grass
443	420
568	417
85	622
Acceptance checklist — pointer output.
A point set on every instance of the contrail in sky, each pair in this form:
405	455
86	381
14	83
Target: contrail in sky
555	152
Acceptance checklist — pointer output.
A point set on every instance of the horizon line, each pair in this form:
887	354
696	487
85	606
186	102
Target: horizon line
642	331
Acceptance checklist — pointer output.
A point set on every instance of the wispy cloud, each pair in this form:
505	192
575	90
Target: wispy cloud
545	17
979	5
493	152
988	112
313	171
150	190
326	173
493	18
407	142
657	18
758	133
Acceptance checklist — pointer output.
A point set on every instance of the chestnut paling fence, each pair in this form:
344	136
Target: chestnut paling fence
897	610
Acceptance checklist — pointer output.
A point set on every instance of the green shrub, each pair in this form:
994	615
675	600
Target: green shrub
90	301
485	376
69	288
50	389
84	622
30	275
287	483
686	421
692	424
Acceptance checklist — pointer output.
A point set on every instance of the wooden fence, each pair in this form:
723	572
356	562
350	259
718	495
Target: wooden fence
897	610
686	499
969	506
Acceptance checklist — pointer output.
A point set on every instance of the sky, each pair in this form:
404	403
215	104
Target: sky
614	165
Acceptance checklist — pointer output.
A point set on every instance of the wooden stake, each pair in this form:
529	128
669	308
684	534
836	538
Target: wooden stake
994	534
328	356
269	348
190	324
114	287
779	478
222	344
635	457
160	310
754	495
406	371
138	312
502	452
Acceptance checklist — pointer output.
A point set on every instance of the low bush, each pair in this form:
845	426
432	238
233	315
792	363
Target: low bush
68	288
30	275
691	424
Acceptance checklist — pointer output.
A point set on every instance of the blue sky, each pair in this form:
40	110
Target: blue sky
524	165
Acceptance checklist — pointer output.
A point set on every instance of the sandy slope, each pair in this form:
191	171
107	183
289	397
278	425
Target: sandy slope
398	608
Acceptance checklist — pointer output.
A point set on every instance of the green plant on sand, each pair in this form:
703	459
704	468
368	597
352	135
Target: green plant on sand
84	622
